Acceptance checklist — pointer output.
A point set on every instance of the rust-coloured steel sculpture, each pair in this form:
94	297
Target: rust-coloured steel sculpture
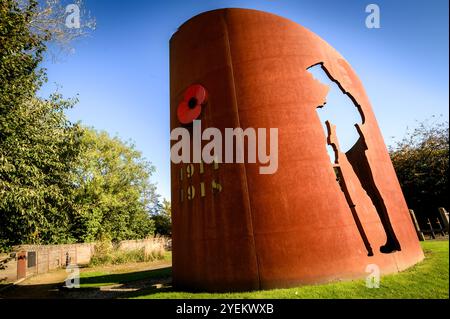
311	221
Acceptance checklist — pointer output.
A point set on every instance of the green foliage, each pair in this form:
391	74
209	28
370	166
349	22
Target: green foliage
113	192
35	169
162	219
59	182
21	50
421	163
37	142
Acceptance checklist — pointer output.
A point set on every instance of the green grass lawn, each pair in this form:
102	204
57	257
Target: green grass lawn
98	278
428	279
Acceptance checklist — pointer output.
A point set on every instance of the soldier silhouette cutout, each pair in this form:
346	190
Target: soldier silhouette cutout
363	170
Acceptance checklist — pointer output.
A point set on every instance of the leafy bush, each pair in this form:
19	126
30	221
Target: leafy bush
421	161
106	254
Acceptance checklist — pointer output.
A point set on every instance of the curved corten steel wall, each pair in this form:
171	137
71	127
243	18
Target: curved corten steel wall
235	229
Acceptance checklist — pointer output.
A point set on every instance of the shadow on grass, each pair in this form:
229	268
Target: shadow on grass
40	291
121	285
123	278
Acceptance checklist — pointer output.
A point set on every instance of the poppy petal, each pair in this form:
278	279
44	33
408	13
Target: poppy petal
196	91
186	114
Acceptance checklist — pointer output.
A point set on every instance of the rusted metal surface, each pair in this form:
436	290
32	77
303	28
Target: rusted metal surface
241	230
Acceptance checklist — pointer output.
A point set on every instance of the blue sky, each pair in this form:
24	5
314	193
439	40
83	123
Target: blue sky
121	71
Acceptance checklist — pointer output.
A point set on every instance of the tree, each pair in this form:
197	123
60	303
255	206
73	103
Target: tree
162	218
421	163
37	143
35	170
113	194
59	182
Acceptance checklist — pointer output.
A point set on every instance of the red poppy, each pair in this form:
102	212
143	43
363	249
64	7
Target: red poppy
190	108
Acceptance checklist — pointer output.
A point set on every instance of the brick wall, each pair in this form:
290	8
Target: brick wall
51	257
